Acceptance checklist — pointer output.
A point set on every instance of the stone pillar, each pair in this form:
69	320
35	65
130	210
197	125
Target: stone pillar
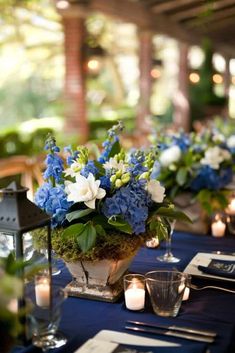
145	85
75	92
181	113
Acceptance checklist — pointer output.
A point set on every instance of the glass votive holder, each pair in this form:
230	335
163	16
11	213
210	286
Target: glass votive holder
231	224
218	225
134	291
43	289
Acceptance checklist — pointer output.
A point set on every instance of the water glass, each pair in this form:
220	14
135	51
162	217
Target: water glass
166	290
45	317
134	291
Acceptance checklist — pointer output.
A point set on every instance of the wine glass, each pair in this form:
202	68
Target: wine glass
168	256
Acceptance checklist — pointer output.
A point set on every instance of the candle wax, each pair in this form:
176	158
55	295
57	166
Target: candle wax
135	298
42	292
218	228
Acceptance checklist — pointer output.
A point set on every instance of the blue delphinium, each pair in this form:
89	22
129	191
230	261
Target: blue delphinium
111	140
54	163
136	161
131	202
72	155
54	201
211	179
89	168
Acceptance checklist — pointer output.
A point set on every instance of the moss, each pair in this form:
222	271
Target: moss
116	246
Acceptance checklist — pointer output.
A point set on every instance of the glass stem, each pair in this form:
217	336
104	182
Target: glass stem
168	245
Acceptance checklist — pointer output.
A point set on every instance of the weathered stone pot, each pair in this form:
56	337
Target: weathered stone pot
200	221
99	280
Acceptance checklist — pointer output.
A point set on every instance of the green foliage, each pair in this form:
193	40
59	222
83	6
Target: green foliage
212	200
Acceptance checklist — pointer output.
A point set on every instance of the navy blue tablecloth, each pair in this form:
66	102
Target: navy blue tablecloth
208	309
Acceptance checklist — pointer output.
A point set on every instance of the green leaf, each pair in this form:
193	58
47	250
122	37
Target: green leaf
120	224
87	238
73	230
99	229
181	176
172	213
100	167
115	149
161	231
78	214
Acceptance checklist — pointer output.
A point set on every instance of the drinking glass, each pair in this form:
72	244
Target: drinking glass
166	290
168	256
45	316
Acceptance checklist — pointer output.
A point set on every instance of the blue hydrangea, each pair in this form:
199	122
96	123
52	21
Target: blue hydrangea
136	161
89	168
183	141
132	203
105	182
54	167
54	201
208	178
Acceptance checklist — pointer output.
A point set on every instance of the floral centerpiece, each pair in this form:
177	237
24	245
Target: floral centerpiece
105	207
201	164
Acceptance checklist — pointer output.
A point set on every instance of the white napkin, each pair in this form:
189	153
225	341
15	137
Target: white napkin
127	338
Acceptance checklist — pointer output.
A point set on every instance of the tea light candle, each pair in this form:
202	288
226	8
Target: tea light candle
186	293
218	228
231	207
42	292
134	297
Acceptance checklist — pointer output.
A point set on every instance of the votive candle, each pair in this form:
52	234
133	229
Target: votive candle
42	292
218	228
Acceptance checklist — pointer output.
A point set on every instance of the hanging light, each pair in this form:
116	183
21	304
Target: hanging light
217	78
194	77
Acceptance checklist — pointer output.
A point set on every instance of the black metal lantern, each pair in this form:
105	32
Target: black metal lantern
19	215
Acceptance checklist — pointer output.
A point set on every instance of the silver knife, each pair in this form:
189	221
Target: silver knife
186	336
176	328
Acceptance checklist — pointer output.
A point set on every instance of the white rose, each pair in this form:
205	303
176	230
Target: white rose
214	156
231	141
85	190
170	155
156	190
218	138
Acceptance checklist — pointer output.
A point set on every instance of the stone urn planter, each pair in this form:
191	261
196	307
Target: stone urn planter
99	280
192	208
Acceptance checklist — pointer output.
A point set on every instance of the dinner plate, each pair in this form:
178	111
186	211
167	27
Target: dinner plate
204	259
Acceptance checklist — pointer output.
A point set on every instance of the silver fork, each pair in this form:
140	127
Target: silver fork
212	287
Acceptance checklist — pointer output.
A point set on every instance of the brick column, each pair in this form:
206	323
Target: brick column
75	92
145	84
181	114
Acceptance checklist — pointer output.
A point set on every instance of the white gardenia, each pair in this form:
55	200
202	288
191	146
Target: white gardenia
85	190
156	190
170	156
113	164
231	141
214	156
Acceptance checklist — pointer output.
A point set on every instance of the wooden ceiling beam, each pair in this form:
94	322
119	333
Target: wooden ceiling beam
218	25
171	5
200	10
215	17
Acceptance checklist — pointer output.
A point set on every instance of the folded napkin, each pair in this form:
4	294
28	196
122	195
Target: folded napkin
221	268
